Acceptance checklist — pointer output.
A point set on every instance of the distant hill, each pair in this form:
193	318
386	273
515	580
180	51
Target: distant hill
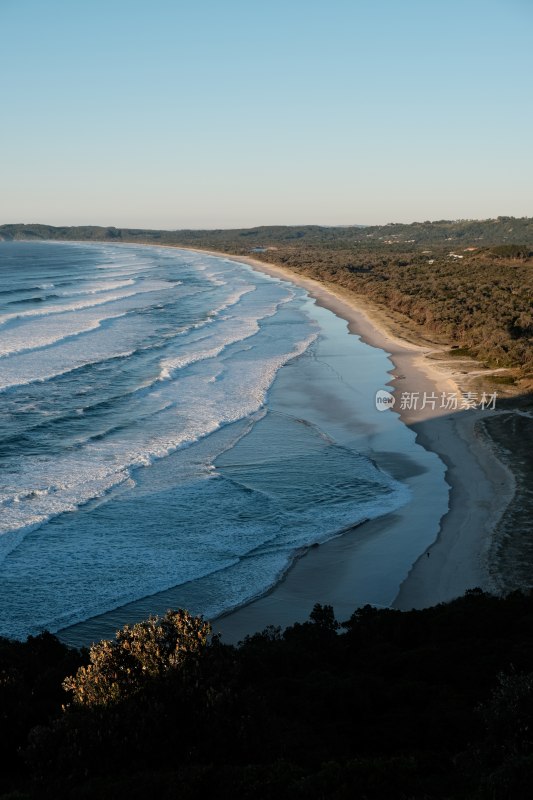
481	233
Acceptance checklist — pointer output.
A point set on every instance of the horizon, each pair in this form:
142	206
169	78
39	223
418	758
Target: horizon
219	117
274	225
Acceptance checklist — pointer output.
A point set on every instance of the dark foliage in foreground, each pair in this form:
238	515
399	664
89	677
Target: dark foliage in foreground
424	704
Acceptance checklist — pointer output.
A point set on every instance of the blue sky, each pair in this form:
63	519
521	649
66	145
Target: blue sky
232	114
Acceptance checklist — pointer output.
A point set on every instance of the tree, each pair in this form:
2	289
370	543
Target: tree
139	654
324	617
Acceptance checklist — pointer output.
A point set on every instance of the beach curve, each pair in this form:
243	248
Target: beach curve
481	486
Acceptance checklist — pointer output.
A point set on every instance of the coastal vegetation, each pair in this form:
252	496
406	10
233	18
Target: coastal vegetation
436	703
467	283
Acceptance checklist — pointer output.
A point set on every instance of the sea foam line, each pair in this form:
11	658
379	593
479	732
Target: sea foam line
245	329
15	341
96	301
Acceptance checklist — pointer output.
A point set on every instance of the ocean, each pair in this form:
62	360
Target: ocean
173	419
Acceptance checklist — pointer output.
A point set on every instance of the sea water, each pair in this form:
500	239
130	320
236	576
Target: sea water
171	419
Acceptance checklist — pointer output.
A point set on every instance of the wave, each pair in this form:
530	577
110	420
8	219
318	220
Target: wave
92	288
96	301
244	541
27	380
27	289
239	331
17	341
42	298
41	505
72	480
26	340
27	300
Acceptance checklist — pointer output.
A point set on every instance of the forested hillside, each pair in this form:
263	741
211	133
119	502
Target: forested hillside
502	230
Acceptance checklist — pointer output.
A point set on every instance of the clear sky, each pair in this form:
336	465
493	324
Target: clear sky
236	113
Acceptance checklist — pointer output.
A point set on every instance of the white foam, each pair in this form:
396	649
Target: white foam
23	511
230	330
42	334
232	300
47	488
150	286
92	288
17	341
39	372
240	331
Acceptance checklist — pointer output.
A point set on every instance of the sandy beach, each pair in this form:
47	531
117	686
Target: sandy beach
481	486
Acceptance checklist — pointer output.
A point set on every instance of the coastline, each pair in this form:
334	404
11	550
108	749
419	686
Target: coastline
481	486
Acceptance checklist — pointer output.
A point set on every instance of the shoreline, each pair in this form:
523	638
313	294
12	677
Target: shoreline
481	487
